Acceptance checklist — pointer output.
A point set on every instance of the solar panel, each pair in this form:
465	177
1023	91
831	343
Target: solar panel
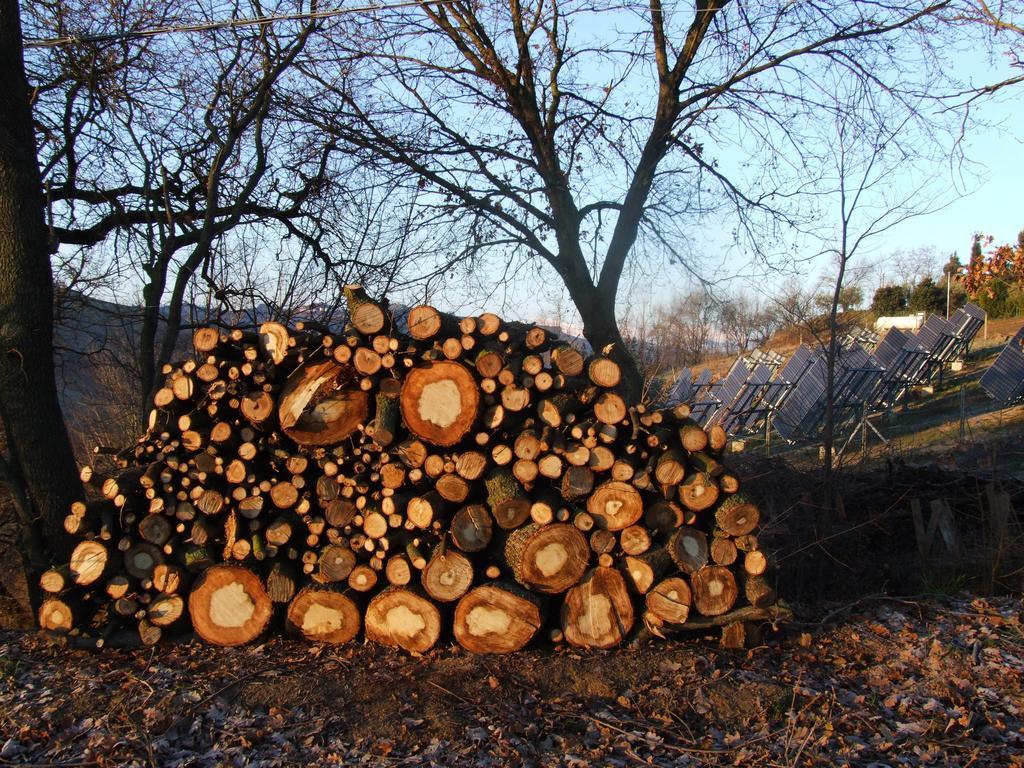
1004	380
930	334
891	345
726	392
682	391
701	383
790	374
746	412
800	401
961	329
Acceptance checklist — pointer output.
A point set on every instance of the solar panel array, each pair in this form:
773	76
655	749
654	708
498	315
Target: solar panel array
792	394
1004	380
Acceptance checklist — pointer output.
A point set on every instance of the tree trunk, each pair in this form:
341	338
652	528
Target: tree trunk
601	329
40	452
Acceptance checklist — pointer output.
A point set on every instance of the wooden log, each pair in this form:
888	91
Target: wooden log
257	407
323	616
363	578
316	408
506	500
472	528
89	561
755	563
366	315
141	559
597	612
717	438
440	402
398	570
692	437
496	618
604	371
401	617
273	339
737	516
165	610
425	323
663	516
547	559
758	591
229	606
635	540
577	482
688	548
698	492
670	600
615	505
336	563
55	580
55	615
281	582
644	570
609	408
714	590
205	339
723	551
447	575
169	579
567	359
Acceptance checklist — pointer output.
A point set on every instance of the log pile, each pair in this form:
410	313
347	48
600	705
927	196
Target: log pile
470	478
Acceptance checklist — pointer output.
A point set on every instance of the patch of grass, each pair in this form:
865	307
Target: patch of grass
946	583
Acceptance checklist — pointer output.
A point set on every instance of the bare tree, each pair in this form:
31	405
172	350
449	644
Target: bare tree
747	322
585	136
873	193
169	156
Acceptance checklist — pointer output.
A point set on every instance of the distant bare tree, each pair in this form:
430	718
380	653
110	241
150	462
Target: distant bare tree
747	322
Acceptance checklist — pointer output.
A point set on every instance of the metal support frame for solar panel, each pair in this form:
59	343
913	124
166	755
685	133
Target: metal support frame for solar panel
747	411
1004	379
856	375
862	336
961	329
946	340
722	396
902	372
768	357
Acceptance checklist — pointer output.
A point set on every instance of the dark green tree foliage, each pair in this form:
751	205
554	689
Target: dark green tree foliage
994	297
928	297
889	300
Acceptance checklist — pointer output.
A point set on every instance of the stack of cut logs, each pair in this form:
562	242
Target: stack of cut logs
469	476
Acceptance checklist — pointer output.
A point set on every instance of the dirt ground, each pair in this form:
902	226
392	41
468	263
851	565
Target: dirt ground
881	682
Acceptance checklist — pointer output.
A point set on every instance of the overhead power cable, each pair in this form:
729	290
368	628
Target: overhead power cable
215	25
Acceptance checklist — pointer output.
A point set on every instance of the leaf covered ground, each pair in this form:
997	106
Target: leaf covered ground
884	682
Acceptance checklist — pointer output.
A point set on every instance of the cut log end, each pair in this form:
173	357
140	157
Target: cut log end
400	617
323	616
496	619
229	606
598	612
440	402
549	558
